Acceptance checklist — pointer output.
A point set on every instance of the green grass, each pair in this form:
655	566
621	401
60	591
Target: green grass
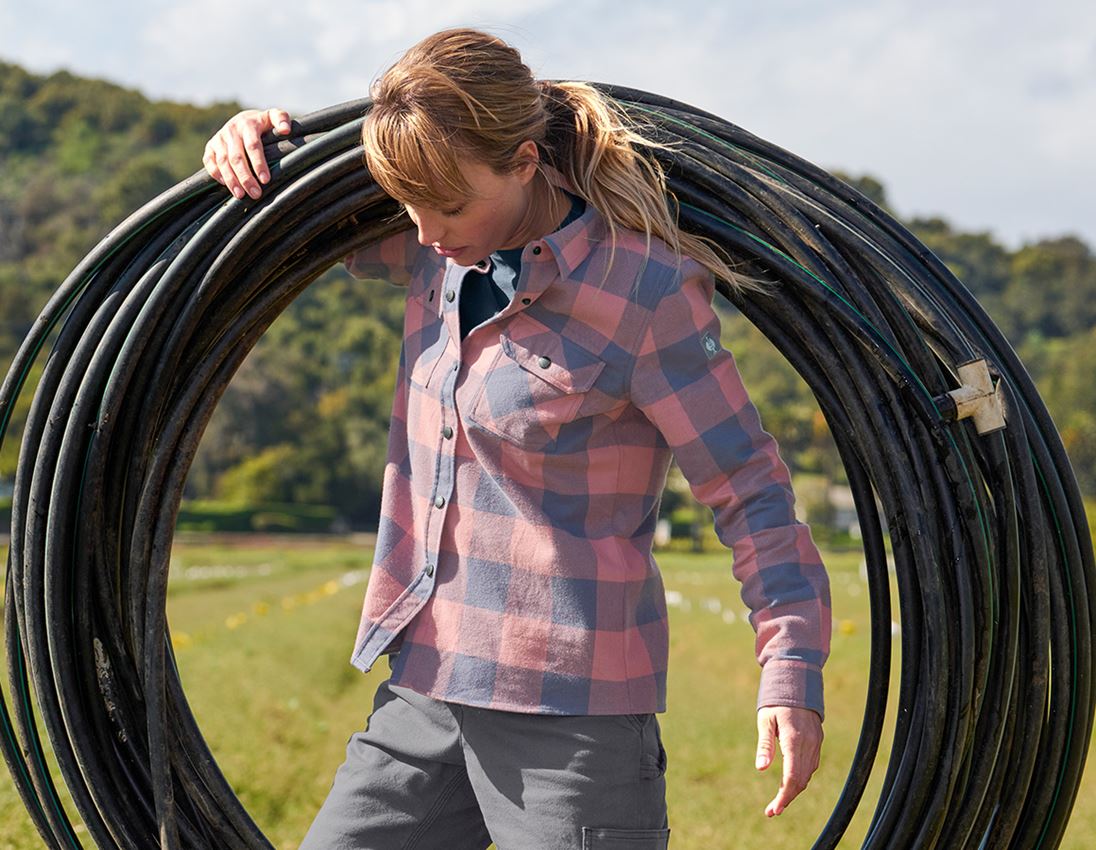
263	634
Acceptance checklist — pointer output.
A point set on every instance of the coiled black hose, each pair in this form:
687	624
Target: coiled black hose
991	551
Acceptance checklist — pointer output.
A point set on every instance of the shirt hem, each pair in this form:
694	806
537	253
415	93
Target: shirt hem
517	708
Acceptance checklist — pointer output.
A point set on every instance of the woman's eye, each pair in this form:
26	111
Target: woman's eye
454	211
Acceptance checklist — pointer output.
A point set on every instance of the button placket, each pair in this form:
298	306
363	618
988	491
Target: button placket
450	311
446	449
536	276
520	286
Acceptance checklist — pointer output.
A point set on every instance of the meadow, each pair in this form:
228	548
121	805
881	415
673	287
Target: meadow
262	631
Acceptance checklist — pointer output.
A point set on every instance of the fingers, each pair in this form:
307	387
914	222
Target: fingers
766	735
244	159
794	779
216	163
279	120
276	120
799	733
235	157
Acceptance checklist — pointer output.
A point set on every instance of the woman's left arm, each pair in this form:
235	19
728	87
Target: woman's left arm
690	389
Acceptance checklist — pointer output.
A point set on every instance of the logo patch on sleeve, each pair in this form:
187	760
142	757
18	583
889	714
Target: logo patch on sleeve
711	345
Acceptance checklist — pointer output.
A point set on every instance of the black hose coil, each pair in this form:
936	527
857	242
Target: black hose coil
990	546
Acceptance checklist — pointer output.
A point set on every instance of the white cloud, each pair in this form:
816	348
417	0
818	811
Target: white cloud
978	111
305	56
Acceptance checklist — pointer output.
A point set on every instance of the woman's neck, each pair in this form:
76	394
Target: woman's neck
547	207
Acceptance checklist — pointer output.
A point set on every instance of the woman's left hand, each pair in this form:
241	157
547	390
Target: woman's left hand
799	733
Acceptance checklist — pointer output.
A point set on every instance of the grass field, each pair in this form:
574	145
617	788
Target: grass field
262	634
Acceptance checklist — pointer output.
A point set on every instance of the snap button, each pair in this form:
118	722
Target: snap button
447	432
439	502
429	570
544	362
536	249
450	295
526	300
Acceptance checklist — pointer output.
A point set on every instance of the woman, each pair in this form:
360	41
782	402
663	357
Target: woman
559	344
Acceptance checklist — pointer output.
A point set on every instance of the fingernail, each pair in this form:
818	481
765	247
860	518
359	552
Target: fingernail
239	193
264	177
254	192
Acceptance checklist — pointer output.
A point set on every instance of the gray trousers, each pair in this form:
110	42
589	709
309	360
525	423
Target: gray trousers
433	775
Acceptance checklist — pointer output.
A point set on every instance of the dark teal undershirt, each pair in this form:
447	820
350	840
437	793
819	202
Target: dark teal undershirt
483	294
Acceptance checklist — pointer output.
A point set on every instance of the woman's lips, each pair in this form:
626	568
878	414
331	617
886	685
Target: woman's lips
448	252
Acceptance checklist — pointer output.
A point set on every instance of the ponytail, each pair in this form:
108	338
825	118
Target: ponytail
604	156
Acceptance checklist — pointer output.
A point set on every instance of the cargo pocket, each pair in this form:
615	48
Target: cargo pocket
625	839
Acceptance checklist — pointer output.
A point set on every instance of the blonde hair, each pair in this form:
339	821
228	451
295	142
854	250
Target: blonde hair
462	93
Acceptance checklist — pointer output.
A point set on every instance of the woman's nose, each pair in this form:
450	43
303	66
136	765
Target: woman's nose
430	231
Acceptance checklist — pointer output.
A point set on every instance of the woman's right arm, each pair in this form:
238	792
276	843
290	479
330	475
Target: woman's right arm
234	156
391	259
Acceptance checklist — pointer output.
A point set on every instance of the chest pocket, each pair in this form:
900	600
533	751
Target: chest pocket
533	388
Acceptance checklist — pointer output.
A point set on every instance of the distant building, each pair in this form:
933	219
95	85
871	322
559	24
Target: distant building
843	508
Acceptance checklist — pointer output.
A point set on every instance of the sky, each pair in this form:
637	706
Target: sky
979	111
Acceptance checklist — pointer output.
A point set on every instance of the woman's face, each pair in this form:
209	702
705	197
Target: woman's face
499	214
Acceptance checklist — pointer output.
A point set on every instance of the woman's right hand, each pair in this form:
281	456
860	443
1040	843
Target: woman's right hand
234	156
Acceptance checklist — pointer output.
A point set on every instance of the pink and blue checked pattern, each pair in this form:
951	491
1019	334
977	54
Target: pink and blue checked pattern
513	566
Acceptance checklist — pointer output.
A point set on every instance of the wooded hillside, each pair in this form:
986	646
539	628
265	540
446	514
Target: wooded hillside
305	420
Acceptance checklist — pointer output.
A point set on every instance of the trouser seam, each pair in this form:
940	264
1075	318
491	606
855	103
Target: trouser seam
458	716
428	819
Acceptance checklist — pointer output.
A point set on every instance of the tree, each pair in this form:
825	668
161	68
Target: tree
1051	287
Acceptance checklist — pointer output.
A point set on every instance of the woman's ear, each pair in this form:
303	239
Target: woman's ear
526	161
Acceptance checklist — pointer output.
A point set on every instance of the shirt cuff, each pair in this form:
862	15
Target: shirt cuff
791	683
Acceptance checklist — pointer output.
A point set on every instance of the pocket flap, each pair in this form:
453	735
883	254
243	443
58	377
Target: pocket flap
552	358
625	839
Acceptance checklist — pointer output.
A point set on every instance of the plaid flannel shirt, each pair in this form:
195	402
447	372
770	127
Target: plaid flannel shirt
513	566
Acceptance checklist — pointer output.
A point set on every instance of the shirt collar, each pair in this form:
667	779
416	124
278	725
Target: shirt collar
571	245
